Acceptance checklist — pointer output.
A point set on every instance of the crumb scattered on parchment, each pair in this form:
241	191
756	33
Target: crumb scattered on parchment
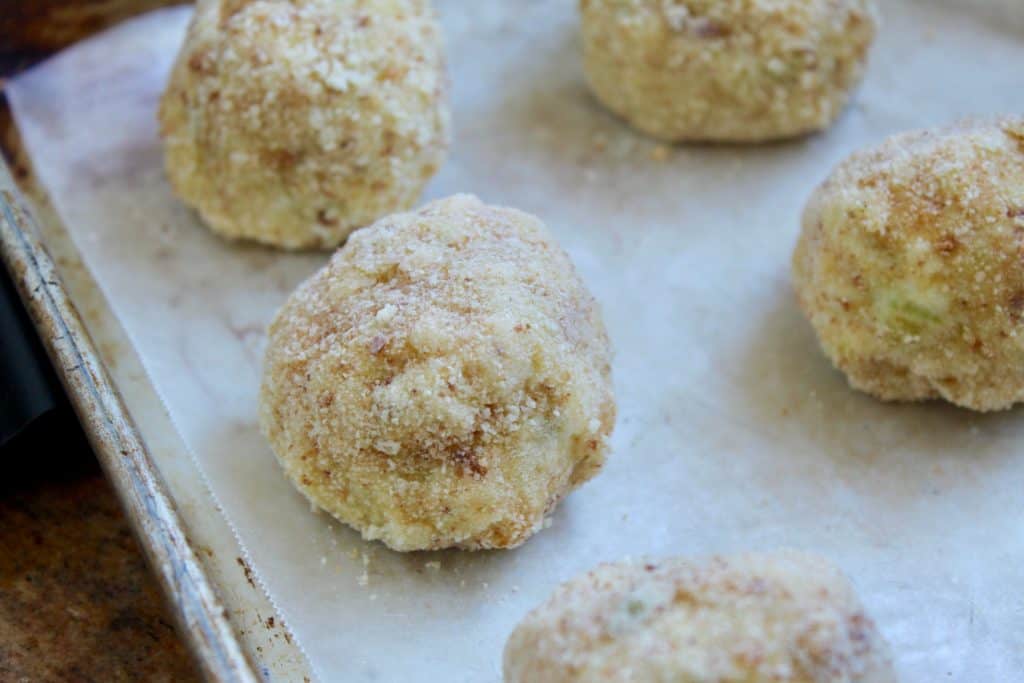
659	154
364	578
246	570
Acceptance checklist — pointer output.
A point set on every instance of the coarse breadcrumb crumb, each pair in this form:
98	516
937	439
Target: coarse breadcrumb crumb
294	122
785	617
443	382
910	265
726	70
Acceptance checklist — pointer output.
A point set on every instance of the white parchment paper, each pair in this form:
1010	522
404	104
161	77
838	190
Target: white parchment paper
734	431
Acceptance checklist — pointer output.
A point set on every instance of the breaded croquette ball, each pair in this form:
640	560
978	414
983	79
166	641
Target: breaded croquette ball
911	266
726	70
293	122
443	382
780	618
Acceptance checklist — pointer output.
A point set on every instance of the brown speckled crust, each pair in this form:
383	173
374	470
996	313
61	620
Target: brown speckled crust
77	602
726	70
443	382
293	123
786	617
910	266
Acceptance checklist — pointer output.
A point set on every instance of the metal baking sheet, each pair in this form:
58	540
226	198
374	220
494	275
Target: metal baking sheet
734	432
118	446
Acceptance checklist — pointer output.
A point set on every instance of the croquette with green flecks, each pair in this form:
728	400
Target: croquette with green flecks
910	266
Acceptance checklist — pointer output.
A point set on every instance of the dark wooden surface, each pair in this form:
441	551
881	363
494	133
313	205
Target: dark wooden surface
77	602
33	27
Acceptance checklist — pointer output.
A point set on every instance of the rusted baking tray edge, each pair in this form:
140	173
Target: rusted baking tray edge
121	451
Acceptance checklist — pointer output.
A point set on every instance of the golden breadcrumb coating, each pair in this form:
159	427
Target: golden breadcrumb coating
443	382
784	618
293	122
910	266
726	70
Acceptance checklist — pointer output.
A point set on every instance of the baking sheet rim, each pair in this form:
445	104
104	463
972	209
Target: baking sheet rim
121	450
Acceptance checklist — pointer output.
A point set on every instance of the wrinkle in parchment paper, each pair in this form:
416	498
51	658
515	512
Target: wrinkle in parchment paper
734	432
